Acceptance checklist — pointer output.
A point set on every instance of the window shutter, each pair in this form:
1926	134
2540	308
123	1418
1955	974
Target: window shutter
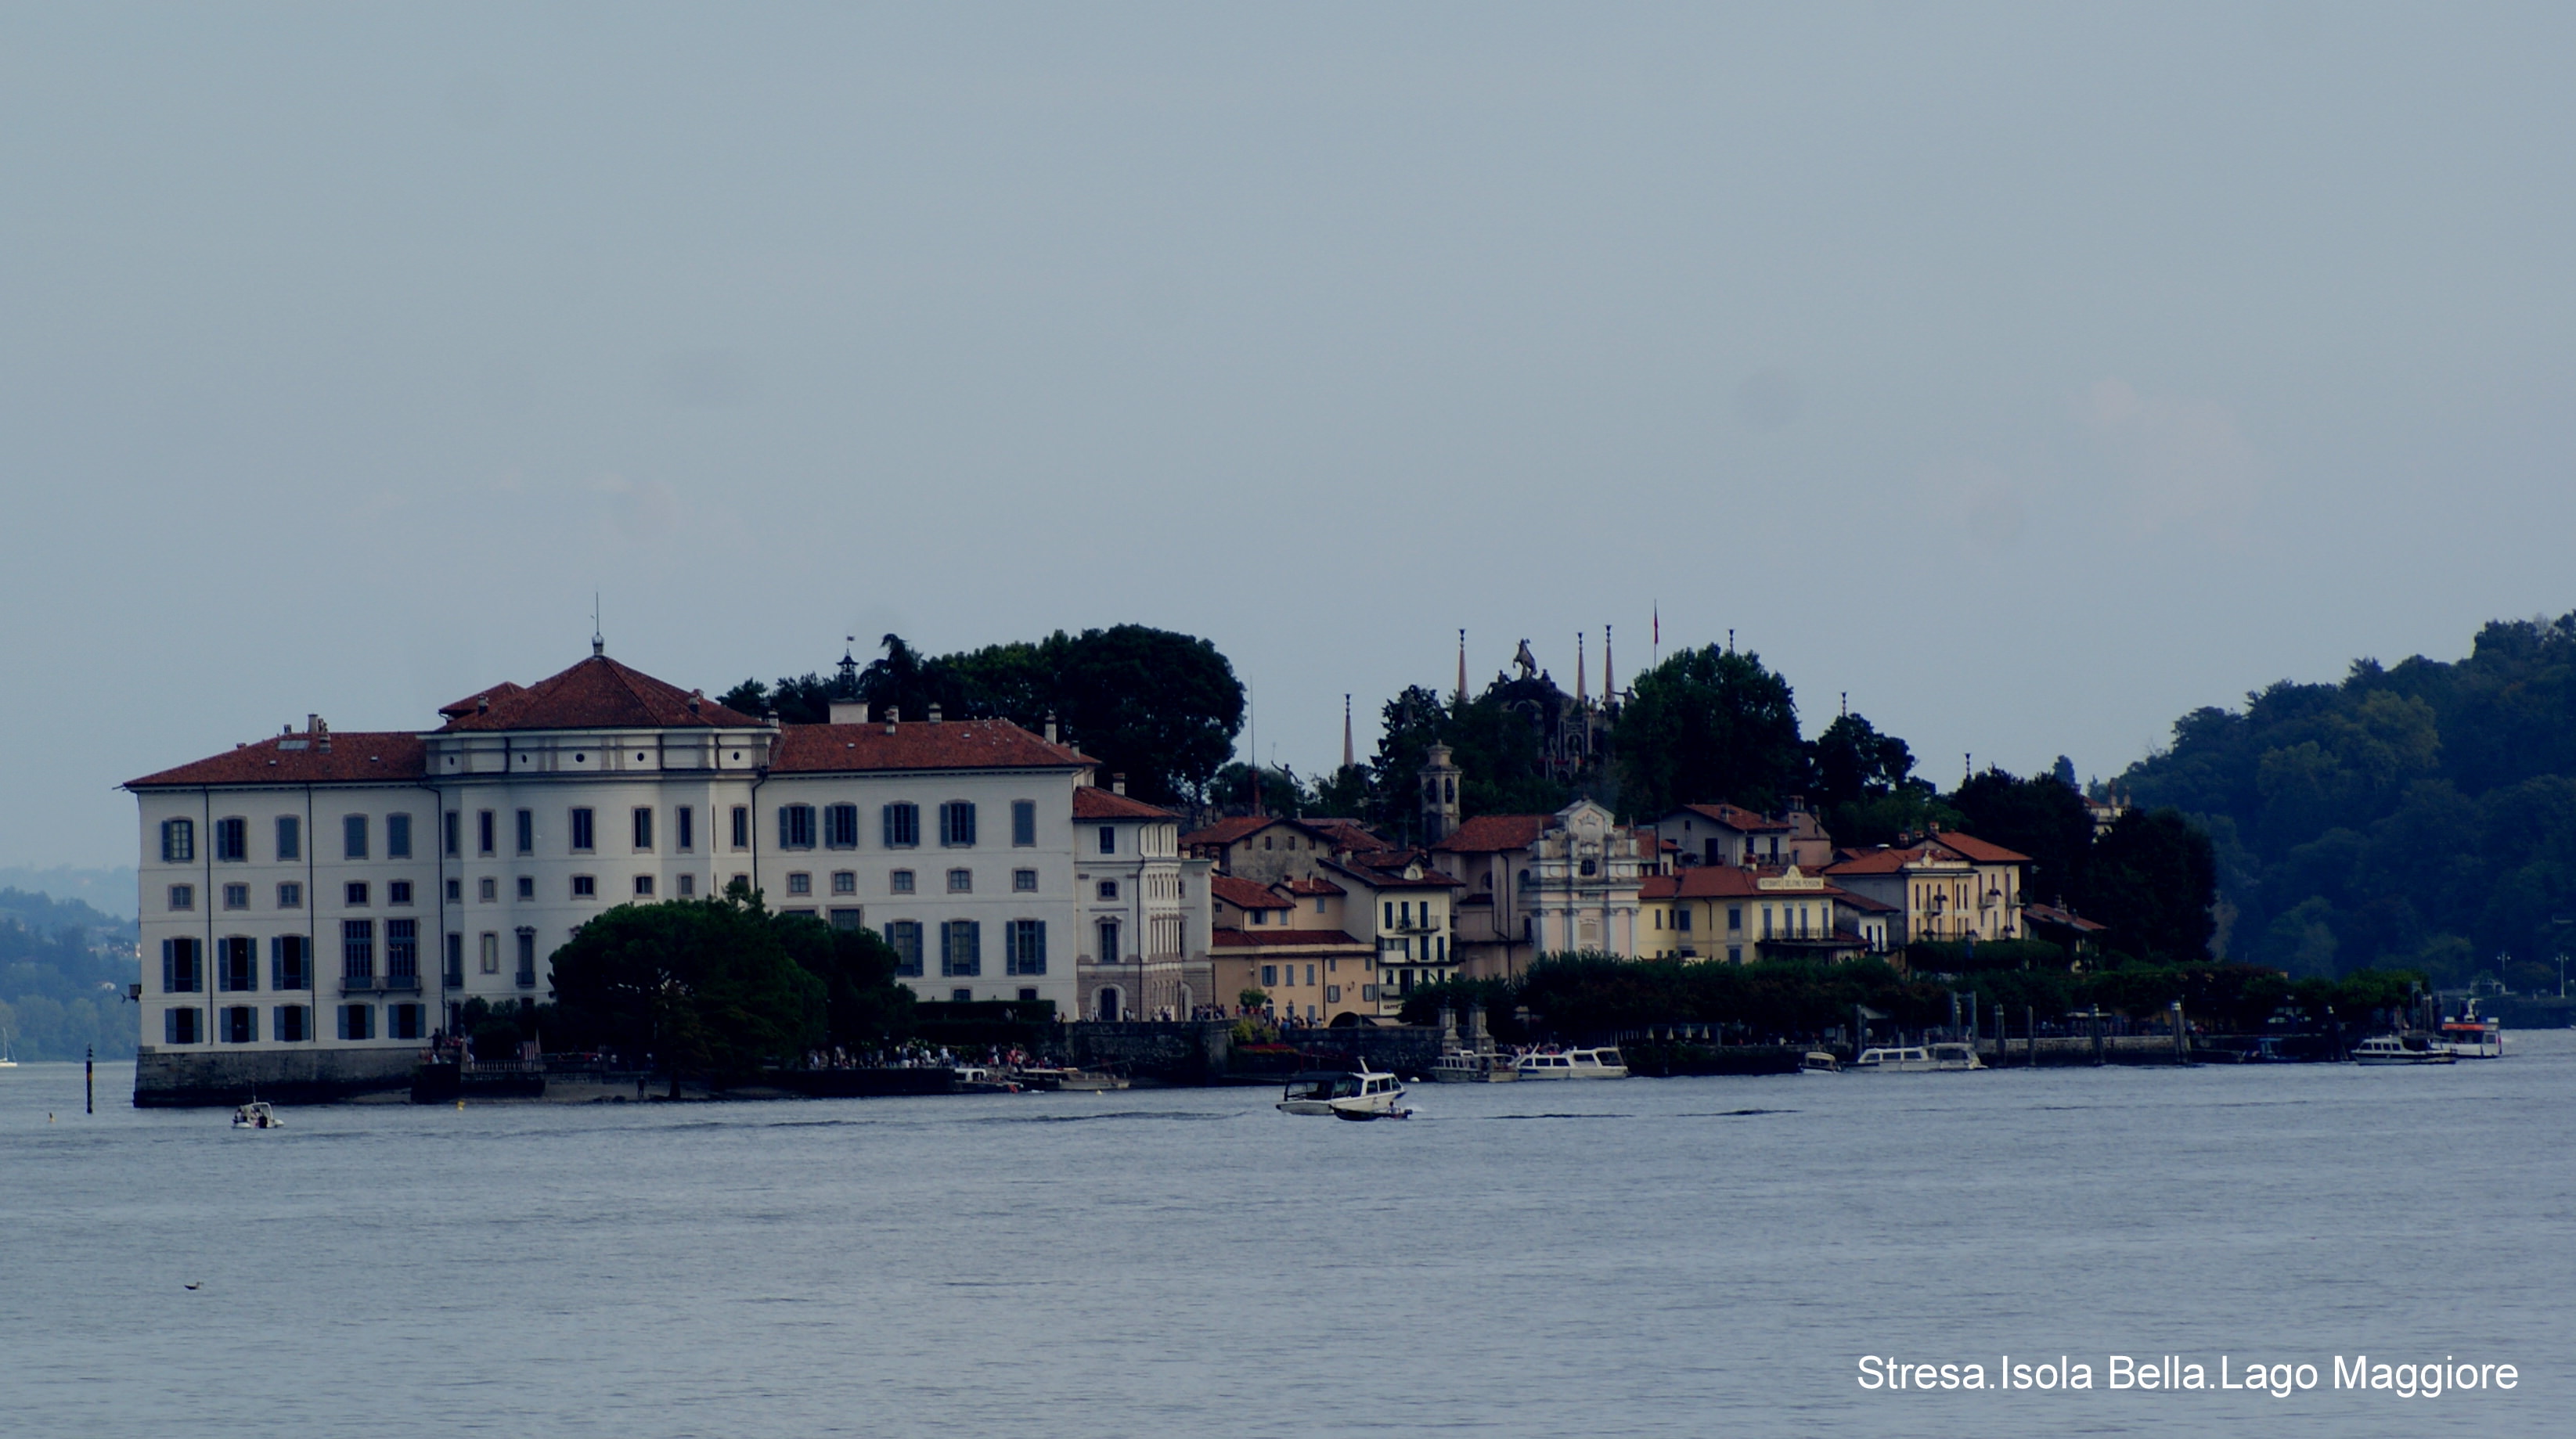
167	964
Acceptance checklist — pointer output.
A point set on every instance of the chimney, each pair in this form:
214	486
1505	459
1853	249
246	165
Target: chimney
312	723
697	698
849	711
483	704
321	734
1118	784
1050	727
934	713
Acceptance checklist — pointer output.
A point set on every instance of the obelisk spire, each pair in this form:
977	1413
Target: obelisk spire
1348	759
1462	669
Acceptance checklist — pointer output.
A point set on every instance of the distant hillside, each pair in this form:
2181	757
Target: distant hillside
109	891
2420	815
64	967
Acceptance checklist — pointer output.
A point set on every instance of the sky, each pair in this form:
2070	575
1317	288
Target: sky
2029	375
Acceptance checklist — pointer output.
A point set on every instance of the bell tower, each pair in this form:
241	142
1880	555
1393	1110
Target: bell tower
1439	795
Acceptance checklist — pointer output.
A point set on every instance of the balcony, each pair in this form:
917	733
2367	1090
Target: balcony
362	984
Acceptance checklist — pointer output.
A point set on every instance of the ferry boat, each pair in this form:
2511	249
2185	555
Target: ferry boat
1917	1058
2390	1049
1347	1092
1602	1063
256	1115
1462	1066
2471	1037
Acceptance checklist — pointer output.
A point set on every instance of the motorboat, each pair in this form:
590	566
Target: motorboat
1072	1080
1818	1061
2473	1037
1463	1066
1918	1058
2392	1049
1604	1063
976	1079
1351	1093
256	1115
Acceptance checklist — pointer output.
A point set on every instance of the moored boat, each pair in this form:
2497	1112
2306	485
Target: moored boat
1462	1066
1818	1061
2472	1037
2393	1049
1603	1063
1346	1092
1917	1058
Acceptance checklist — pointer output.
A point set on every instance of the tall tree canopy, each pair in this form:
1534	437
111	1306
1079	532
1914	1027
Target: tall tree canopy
706	985
1708	724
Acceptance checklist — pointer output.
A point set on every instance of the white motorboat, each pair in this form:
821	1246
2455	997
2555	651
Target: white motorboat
1917	1058
256	1115
1462	1066
1818	1061
2473	1037
2390	1049
1342	1091
1602	1063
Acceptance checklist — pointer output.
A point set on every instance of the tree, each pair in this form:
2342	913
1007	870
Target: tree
1862	785
863	1006
2039	816
1706	725
703	984
2153	879
1280	792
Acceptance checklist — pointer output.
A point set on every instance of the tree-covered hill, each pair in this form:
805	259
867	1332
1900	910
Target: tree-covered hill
2419	815
63	969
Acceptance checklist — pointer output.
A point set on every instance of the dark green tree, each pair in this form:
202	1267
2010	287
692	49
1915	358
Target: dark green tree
2041	817
863	1006
1708	725
2153	879
703	984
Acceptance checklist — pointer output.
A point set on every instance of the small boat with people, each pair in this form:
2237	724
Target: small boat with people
1344	1093
1601	1063
2401	1049
257	1115
1917	1058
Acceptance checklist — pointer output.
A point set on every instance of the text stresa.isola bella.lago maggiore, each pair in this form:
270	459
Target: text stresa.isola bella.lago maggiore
2420	1379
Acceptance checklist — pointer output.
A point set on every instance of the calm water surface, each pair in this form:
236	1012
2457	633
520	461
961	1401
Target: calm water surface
1648	1257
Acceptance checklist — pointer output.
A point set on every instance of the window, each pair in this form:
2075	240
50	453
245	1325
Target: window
643	826
483	832
1735	919
900	881
289	1023
527	958
453	825
1390	914
961	996
1682	919
688	885
643	886
904	937
800	883
397	836
487	889
183	896
179	1026
290	963
290	837
353	836
236	896
491	953
584	887
961	948
456	891
1109	889
236	963
841	827
358	949
1024	947
1109	839
850	919
1269	974
845	881
1109	950
455	975
354	893
961	881
232	839
527	832
957	823
742	826
402	1021
527	886
796	826
398	891
1024	822
290	895
684	829
357	1021
402	951
582	837
178	841
902	824
1024	881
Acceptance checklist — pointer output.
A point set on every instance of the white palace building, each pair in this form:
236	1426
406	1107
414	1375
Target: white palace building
316	904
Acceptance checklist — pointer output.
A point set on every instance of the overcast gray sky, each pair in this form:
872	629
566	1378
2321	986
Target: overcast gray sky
2032	373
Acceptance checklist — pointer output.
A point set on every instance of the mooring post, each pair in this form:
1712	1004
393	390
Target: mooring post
2182	1036
2030	1033
2097	1036
89	1080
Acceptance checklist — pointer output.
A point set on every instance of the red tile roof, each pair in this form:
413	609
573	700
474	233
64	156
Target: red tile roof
1347	834
599	693
917	745
1973	848
1329	834
1736	817
1281	938
1489	833
1861	902
1314	887
2051	914
477	700
1877	861
1376	878
355	757
1227	831
1090	801
1244	894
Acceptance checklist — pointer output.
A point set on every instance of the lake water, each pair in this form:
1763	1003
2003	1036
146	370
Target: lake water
1654	1257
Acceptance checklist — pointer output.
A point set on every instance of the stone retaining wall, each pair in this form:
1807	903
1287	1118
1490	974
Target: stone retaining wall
164	1080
